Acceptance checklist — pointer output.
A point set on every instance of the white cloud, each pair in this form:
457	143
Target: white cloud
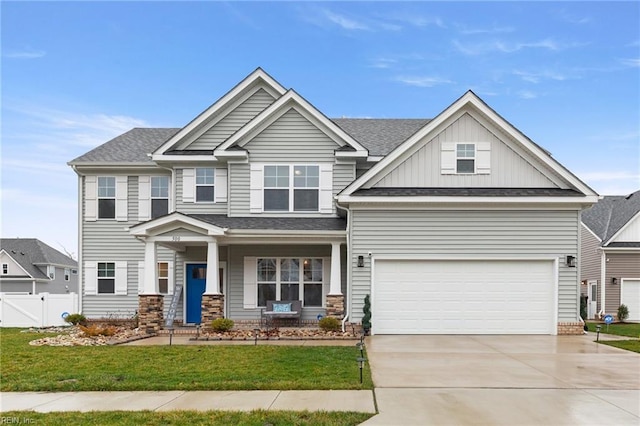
463	29
383	63
536	77
612	182
631	62
24	54
423	81
416	20
344	22
511	47
527	94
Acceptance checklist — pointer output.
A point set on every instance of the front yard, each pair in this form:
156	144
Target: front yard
113	368
619	329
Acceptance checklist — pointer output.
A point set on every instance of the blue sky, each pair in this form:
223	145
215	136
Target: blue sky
76	74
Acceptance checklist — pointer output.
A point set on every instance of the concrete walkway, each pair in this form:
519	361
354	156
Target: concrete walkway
331	400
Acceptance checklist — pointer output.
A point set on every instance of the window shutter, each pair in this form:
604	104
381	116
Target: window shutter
326	188
121	278
90	198
171	276
140	276
448	158
188	185
483	158
220	185
121	198
256	195
250	282
90	278
144	198
326	278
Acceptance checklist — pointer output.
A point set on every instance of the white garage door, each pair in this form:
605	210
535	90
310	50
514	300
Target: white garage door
630	296
463	297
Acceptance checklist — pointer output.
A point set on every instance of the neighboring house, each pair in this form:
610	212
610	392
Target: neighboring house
459	224
611	255
30	266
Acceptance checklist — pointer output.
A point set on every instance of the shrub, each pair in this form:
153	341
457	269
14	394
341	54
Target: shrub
96	330
623	312
76	319
222	324
329	324
366	319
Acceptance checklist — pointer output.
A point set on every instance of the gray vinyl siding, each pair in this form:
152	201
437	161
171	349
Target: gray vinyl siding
233	121
619	265
108	241
291	138
196	208
590	260
343	175
239	183
235	275
58	285
440	234
508	167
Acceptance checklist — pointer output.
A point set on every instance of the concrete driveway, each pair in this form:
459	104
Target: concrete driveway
526	380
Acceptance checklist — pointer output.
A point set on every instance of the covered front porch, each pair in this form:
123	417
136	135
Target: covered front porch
230	267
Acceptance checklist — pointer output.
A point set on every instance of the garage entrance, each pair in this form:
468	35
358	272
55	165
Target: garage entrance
464	297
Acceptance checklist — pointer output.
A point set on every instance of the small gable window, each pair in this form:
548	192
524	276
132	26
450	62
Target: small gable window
106	197
5	268
465	158
205	185
159	196
51	272
67	274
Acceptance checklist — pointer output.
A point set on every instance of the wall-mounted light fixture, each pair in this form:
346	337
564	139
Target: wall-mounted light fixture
360	261
571	261
614	280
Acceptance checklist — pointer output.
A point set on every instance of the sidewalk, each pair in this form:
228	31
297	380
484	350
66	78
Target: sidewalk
331	400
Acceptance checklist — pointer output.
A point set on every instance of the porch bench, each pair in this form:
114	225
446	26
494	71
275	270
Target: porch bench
268	314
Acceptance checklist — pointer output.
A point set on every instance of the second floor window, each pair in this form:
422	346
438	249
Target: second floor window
159	196
291	188
205	185
51	272
67	274
465	158
106	197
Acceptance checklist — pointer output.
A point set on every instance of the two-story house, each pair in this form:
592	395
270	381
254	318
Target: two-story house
27	265
611	255
459	224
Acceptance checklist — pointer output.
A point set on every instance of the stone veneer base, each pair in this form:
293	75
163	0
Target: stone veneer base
150	312
570	328
335	305
212	308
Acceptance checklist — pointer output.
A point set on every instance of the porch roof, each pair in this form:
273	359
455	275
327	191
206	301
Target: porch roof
274	223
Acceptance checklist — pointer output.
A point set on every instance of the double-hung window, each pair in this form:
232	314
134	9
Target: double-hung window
205	185
51	272
291	188
5	269
163	277
67	274
290	279
106	278
106	197
159	196
465	158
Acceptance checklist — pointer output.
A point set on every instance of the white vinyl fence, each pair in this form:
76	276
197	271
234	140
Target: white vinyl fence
36	310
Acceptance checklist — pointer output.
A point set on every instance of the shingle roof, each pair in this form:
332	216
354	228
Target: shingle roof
130	147
380	135
275	223
467	192
610	214
30	251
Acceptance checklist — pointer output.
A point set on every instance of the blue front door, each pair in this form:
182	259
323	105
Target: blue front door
196	282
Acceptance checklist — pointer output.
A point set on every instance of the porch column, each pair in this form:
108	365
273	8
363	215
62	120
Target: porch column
212	299
213	282
335	298
150	302
150	283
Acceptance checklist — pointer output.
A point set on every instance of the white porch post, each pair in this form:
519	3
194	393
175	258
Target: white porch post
334	283
150	285
213	282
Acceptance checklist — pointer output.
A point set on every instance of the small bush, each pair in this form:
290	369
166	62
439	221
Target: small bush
222	324
96	330
329	324
623	313
76	319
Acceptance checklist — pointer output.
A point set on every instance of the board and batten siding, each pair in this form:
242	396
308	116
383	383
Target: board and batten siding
106	240
196	208
456	234
233	121
508	167
235	274
619	265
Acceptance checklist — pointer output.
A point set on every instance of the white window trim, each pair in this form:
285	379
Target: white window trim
114	198
151	197
301	283
51	272
5	269
474	158
91	278
67	274
291	188
196	185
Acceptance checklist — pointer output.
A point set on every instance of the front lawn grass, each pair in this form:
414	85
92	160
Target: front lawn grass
619	329
135	418
114	368
629	345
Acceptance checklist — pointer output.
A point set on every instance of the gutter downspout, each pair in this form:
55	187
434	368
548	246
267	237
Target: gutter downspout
347	312
603	284
80	247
